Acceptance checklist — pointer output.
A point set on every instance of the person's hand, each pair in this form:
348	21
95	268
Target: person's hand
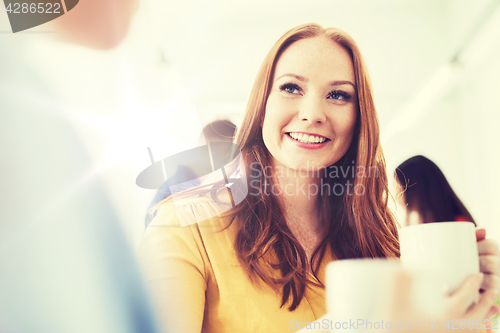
489	261
460	305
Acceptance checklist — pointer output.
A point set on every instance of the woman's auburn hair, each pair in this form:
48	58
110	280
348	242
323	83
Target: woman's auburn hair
358	226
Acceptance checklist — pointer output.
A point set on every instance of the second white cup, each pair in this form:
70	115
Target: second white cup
449	249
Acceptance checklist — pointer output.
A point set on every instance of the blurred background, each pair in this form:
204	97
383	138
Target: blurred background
176	66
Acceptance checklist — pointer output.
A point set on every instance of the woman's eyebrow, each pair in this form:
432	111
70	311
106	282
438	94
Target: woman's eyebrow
303	79
339	83
298	77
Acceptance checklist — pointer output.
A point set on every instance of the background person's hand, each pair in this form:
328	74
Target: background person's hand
460	305
489	261
398	308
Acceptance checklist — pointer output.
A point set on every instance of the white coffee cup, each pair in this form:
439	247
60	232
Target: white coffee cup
353	287
449	249
357	288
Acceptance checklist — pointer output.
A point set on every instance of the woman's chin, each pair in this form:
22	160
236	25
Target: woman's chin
306	169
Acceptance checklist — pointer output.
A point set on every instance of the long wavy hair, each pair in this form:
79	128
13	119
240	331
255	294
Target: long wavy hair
357	226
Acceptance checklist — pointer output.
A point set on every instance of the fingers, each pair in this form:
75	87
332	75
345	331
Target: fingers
491	281
494	310
488	246
489	264
465	296
480	234
483	308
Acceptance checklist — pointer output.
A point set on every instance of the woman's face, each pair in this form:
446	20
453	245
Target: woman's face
312	107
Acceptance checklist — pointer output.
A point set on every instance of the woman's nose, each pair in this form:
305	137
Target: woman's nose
312	110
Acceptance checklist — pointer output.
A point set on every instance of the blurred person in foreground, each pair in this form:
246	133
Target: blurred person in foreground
96	24
65	264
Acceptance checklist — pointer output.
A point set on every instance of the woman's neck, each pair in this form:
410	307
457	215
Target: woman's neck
300	199
298	191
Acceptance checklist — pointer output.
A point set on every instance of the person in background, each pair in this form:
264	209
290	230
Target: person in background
425	195
216	131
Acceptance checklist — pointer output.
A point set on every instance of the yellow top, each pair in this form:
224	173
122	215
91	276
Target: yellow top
199	285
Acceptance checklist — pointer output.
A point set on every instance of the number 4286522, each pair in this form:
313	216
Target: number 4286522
32	8
455	324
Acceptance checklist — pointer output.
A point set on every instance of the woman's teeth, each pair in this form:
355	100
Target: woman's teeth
306	138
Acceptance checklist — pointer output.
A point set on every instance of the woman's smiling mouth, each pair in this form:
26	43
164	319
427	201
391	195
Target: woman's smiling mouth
307	138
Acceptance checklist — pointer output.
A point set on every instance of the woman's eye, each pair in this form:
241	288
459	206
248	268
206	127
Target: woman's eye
339	95
290	88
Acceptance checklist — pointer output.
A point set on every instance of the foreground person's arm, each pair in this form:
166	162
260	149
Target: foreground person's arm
175	272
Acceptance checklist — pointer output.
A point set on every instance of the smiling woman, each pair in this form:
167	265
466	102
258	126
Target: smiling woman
311	114
260	266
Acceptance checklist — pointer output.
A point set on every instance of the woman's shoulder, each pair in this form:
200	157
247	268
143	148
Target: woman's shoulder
198	210
190	229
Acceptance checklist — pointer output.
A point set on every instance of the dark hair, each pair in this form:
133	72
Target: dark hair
427	191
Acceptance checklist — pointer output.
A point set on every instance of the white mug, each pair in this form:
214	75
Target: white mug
357	288
449	249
